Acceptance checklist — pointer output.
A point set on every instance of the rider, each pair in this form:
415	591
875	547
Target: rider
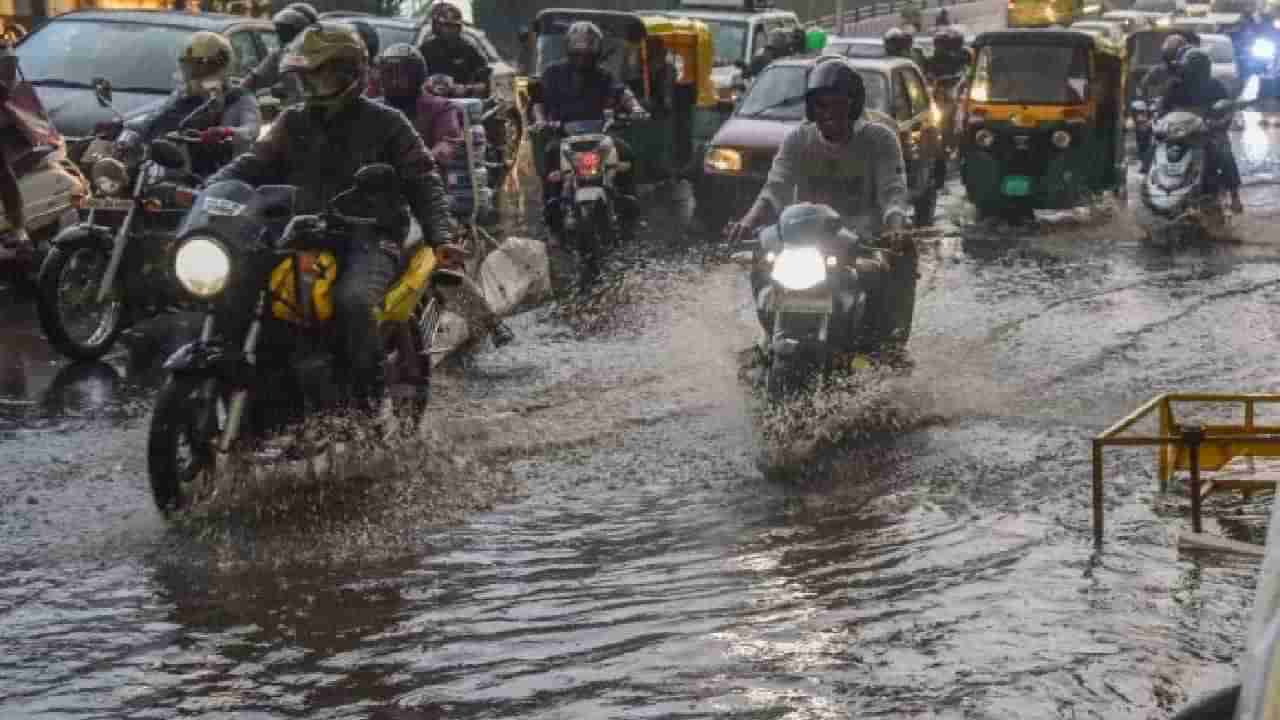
231	120
1155	86
289	23
402	76
447	52
840	158
318	146
13	142
1196	89
899	44
579	89
779	47
949	56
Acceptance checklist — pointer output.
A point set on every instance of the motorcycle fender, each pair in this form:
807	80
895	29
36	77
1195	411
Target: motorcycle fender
586	195
82	230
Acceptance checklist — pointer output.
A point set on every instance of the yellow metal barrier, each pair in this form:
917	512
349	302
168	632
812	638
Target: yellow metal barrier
1194	448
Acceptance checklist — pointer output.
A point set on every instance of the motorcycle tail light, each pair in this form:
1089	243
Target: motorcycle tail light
586	164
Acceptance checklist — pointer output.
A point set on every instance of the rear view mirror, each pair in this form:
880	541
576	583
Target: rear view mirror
377	178
102	91
167	154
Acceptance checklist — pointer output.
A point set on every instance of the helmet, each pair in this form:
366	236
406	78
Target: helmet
330	60
833	74
897	43
293	20
368	35
205	61
779	40
948	39
444	14
401	71
1196	65
584	37
1172	48
439	84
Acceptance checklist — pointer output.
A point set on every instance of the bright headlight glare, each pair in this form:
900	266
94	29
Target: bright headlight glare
800	268
724	160
203	267
1263	49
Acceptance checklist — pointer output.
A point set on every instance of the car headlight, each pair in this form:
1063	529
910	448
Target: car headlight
984	138
1061	139
936	112
1164	22
1263	49
725	160
109	176
800	268
265	129
203	267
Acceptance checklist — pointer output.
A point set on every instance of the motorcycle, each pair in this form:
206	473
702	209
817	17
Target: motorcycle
808	295
947	92
100	278
1181	197
264	276
587	211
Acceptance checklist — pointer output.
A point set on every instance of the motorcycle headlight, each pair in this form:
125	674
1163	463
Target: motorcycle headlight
1263	49
936	112
985	138
203	267
1061	139
800	268
109	176
726	160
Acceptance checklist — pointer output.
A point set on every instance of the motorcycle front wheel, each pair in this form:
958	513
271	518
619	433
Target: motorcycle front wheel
181	456
74	322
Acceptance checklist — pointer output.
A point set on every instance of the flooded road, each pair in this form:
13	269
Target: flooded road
609	539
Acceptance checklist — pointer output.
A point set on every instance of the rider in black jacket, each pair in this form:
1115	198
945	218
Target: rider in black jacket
1197	90
318	146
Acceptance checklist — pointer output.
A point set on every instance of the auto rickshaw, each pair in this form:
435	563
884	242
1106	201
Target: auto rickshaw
1043	127
666	61
1043	13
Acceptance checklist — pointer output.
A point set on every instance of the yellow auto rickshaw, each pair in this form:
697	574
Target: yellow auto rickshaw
666	61
1044	13
1043	122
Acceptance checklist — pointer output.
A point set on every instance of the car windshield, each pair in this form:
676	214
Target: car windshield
728	41
778	94
1031	74
132	56
1220	49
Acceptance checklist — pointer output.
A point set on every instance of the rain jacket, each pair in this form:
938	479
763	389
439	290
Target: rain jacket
320	154
864	180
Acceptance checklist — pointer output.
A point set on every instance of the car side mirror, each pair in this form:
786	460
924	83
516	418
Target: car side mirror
102	91
377	178
167	154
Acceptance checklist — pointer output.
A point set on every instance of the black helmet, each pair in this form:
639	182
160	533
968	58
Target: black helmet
948	39
368	35
1172	48
833	74
292	20
401	71
897	43
1196	65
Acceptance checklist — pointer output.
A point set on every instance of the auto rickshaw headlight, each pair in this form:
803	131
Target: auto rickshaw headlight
725	160
984	138
1061	139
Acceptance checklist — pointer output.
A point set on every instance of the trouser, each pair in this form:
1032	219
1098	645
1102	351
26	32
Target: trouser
1143	136
1222	163
365	274
624	182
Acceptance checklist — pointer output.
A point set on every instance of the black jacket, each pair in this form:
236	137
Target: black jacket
321	157
461	60
1195	97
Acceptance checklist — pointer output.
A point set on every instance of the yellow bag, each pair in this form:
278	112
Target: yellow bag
313	302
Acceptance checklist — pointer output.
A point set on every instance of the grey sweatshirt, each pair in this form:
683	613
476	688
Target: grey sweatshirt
864	180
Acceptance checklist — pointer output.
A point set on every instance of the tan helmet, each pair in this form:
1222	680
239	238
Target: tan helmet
205	62
330	60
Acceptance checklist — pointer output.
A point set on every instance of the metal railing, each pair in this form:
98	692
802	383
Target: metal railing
884	7
1196	448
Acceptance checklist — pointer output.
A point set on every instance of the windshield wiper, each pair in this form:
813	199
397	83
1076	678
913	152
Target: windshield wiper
784	102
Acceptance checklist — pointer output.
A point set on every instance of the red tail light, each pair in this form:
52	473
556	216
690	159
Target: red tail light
184	197
586	164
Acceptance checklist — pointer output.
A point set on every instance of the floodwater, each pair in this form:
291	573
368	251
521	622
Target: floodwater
601	525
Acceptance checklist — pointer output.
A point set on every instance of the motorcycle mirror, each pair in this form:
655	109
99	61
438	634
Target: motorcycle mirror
167	154
377	178
102	91
1251	89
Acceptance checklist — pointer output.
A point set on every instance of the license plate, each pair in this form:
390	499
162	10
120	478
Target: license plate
95	203
808	304
1017	186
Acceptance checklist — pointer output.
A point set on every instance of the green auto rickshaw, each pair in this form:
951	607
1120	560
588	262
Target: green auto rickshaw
1043	121
666	61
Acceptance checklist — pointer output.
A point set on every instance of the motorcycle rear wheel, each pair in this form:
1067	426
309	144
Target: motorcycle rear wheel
181	460
83	261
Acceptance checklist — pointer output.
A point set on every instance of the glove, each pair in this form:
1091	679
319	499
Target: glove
215	135
451	256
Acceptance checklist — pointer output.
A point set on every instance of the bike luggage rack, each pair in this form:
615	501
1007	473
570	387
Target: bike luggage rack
1215	457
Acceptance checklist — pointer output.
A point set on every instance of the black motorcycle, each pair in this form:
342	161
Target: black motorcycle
113	268
264	277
